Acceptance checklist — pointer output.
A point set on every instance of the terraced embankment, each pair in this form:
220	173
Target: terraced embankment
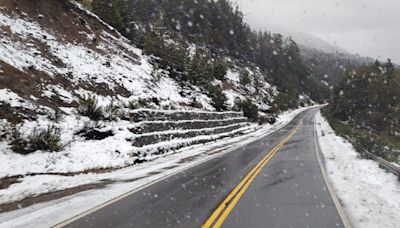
157	132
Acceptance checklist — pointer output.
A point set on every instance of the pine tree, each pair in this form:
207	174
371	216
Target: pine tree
220	69
389	68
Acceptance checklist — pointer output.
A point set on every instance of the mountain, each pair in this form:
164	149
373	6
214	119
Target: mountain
330	68
307	41
327	62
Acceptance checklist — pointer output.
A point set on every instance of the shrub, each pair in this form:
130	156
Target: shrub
237	105
220	69
285	101
132	105
123	114
196	104
250	110
90	132
218	97
88	106
56	116
269	118
48	139
244	77
111	112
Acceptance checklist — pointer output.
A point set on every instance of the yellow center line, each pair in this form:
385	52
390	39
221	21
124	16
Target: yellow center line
231	200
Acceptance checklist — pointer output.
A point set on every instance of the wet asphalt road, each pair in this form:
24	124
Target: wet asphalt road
288	192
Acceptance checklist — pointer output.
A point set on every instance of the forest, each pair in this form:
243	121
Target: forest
166	29
366	106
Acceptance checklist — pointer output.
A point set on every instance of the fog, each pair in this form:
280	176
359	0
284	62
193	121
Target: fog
367	27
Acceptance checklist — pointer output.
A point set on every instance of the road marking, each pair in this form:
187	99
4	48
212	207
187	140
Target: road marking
223	210
135	190
335	199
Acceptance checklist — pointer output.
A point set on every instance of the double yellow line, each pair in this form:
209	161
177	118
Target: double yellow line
221	213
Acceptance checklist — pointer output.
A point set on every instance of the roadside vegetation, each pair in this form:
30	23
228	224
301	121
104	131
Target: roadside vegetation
366	107
48	139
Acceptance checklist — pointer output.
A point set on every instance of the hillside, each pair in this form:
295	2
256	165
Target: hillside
329	67
78	97
326	62
61	63
204	33
67	78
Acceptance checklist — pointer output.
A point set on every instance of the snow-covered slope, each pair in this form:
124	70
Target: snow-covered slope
57	51
53	53
59	55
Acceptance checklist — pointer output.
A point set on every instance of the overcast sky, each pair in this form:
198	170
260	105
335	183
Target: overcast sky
367	27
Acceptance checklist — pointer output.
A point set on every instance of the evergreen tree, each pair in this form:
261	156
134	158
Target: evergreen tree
244	77
389	68
220	69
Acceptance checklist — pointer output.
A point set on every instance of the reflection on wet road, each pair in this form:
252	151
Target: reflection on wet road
289	191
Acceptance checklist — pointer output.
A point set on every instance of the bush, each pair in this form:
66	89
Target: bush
94	132
220	69
196	104
218	97
132	105
262	119
237	105
55	116
88	106
45	140
112	112
285	101
244	77
250	110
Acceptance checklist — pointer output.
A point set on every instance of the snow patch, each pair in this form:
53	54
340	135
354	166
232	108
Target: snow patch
370	196
14	100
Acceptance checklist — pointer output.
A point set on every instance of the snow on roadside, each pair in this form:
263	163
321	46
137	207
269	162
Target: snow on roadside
370	196
50	213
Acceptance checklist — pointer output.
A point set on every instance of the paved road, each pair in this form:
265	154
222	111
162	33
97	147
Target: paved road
289	191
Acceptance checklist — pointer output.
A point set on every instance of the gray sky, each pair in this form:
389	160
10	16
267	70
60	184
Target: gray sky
367	27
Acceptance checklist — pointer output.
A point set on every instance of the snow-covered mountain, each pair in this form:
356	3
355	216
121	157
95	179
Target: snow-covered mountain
307	41
326	61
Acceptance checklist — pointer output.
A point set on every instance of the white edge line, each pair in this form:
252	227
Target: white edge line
336	201
113	200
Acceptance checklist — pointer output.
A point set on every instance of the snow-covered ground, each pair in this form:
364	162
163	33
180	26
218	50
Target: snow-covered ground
369	195
50	213
112	62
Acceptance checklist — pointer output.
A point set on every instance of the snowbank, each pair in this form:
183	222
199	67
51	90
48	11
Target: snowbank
370	196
